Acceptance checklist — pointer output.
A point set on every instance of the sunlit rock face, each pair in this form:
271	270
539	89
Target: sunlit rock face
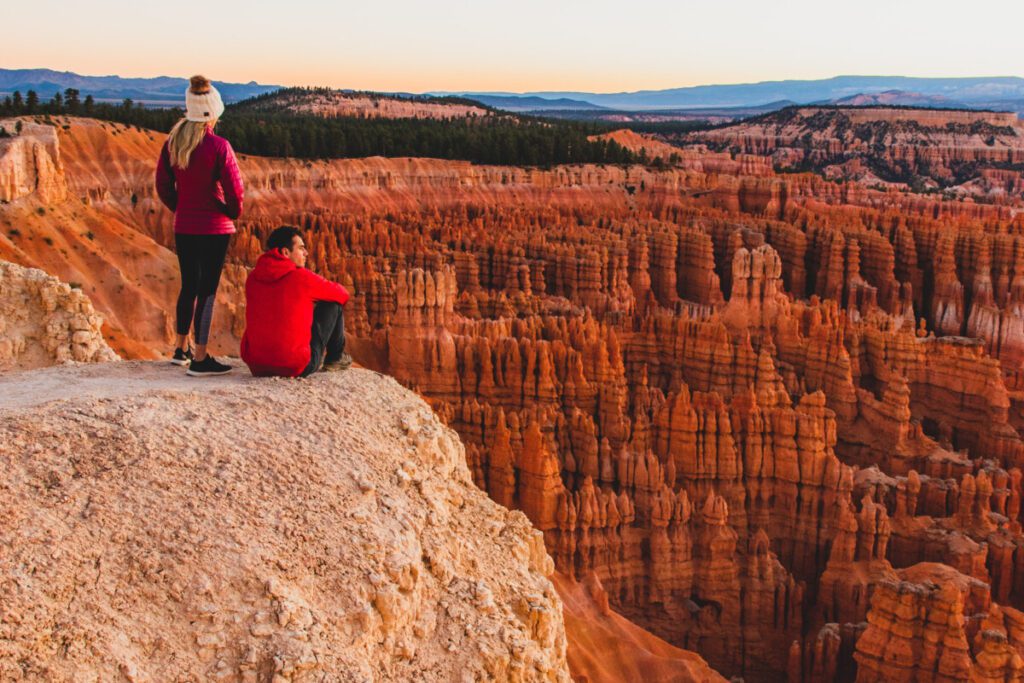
225	536
744	401
44	321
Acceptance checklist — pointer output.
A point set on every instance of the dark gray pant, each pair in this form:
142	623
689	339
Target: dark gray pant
201	260
327	338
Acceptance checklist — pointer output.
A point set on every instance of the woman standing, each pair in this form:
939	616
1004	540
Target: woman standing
197	178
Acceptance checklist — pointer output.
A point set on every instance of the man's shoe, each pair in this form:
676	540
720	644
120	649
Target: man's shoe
343	363
206	367
181	357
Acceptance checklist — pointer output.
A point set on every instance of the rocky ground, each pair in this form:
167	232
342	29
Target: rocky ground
158	528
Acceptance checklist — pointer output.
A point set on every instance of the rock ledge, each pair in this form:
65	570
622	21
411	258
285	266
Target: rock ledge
237	529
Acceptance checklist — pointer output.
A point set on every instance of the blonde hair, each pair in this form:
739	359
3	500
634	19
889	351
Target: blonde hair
186	135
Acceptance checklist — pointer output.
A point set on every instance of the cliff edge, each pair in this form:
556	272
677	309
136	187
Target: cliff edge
241	529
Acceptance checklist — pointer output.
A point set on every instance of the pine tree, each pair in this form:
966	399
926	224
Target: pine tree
71	101
31	102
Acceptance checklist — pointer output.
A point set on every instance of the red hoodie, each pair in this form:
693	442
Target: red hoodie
279	298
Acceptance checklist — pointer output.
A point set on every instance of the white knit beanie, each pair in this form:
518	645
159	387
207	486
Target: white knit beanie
205	107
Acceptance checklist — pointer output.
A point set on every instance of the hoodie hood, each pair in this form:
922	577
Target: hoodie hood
272	266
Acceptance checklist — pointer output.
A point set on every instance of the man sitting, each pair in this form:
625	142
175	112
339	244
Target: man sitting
294	323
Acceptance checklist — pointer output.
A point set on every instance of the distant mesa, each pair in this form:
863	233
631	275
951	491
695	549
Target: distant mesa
330	103
897	97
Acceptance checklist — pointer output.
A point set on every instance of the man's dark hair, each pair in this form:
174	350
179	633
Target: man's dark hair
283	237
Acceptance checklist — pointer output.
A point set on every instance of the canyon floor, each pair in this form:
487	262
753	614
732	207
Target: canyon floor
770	418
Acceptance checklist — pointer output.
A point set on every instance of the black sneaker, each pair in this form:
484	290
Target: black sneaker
343	363
181	357
206	367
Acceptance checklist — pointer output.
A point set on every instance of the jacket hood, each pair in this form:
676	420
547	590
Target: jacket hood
272	266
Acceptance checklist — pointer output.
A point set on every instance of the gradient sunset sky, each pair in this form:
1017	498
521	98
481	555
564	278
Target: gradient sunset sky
522	45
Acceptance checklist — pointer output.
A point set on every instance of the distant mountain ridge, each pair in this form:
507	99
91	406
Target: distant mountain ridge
162	90
515	103
1006	92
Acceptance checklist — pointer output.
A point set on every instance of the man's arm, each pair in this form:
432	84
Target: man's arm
322	289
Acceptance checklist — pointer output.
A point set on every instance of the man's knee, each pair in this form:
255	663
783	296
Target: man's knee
326	310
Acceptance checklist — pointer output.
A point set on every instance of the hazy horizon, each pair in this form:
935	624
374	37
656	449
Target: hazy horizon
455	45
487	92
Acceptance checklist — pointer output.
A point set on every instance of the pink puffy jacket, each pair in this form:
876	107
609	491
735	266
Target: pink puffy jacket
206	196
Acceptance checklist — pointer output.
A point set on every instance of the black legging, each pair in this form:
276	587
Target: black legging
201	259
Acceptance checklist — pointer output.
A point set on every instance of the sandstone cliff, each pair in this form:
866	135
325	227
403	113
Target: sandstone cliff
44	321
253	530
30	162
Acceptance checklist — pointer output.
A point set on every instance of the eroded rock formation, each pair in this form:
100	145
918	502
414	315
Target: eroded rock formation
44	321
934	623
929	148
30	163
745	402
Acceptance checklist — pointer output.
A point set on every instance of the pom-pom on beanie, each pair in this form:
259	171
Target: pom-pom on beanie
202	101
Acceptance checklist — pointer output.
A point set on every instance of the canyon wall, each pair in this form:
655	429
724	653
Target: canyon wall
757	409
930	149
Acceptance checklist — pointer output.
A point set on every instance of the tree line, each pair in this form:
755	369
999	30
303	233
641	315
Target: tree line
485	140
495	139
71	103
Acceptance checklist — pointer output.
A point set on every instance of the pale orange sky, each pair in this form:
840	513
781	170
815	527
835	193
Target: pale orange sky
597	46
